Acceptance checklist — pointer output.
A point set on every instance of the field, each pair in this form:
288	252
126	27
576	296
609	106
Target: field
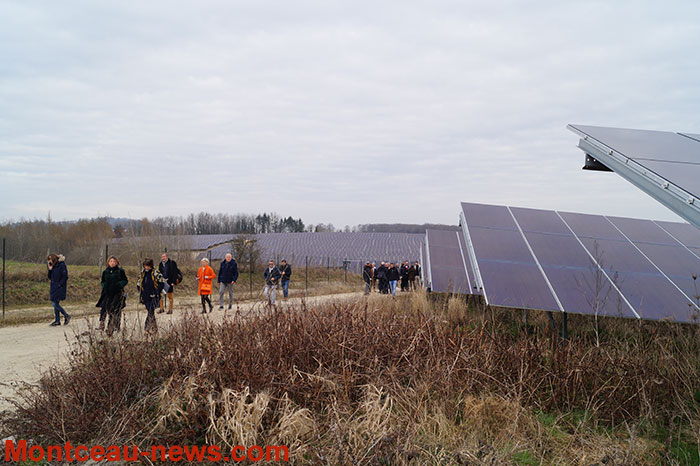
27	288
376	380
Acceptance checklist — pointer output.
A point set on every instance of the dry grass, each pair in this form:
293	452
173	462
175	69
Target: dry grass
404	380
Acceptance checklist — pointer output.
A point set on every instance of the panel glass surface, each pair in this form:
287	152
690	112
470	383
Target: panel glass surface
643	230
470	271
591	226
545	221
643	145
683	232
446	265
516	285
490	216
501	245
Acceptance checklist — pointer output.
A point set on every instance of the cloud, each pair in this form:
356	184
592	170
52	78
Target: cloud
331	112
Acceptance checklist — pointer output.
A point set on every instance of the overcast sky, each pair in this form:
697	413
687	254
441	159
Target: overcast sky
343	112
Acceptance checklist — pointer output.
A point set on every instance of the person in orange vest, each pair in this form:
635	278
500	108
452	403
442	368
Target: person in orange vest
205	275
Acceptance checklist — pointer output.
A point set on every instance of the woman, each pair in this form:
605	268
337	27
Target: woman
205	274
150	286
113	283
58	276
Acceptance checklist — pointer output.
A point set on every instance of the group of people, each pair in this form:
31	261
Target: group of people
387	276
156	286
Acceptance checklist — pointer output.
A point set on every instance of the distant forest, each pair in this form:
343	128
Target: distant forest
83	240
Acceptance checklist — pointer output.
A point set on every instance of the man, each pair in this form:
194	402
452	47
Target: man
272	276
228	275
172	276
393	276
286	272
403	272
367	276
416	281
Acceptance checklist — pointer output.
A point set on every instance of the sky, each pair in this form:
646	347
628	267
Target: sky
334	112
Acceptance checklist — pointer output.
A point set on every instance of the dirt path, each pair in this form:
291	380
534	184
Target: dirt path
26	351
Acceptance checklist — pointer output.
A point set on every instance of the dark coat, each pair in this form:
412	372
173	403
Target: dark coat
150	286
270	275
228	272
392	274
59	280
403	271
113	283
381	272
367	273
411	273
170	272
287	269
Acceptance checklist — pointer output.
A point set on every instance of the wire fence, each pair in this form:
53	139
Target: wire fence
307	271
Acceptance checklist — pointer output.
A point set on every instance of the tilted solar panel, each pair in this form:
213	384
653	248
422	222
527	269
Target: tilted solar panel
663	164
448	262
584	264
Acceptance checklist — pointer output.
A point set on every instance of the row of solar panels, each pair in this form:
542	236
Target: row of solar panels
569	262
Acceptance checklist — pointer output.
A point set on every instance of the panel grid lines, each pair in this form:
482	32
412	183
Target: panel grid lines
539	266
601	269
650	261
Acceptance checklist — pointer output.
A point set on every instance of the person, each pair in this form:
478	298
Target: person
172	275
367	276
228	275
393	276
286	273
150	285
205	275
374	275
58	278
112	300
272	275
416	281
382	280
403	272
412	277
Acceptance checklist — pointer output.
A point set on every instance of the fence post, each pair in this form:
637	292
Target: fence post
3	278
329	269
345	266
106	254
306	292
250	274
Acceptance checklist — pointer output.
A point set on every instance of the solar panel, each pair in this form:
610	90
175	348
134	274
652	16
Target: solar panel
665	165
584	264
448	269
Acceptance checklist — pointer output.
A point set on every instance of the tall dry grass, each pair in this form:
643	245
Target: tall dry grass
380	381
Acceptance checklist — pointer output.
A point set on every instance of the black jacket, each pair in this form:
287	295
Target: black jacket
170	272
272	277
392	274
287	269
59	280
113	281
228	271
367	273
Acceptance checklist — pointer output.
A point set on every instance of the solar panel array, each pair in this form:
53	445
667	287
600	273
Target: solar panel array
336	247
585	264
447	262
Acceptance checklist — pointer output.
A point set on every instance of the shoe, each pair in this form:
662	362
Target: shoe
204	311
229	307
221	308
211	308
55	323
67	320
170	311
160	311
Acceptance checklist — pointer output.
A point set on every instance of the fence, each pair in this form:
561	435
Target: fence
307	272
